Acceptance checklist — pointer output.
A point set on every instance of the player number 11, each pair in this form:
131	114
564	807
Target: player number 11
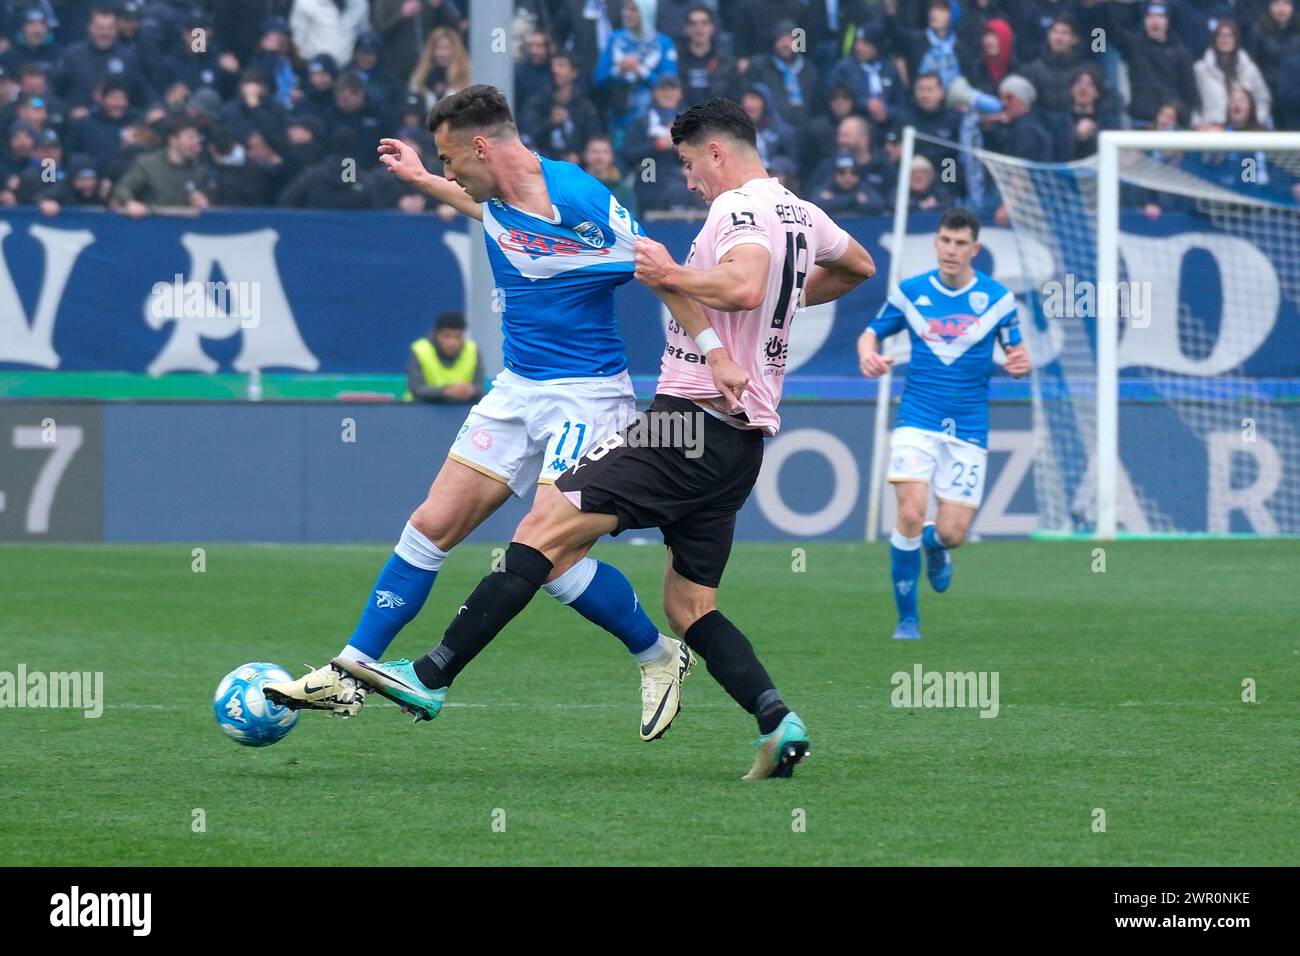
577	444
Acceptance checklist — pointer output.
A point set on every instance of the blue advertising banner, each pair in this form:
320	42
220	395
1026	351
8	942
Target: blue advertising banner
310	472
347	292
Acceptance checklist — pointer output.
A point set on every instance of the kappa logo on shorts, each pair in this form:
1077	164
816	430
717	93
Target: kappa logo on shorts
481	439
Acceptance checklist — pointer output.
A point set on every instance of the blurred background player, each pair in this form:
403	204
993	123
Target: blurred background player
761	255
444	365
953	315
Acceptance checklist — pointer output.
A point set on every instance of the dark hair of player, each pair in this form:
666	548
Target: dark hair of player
958	218
714	117
479	107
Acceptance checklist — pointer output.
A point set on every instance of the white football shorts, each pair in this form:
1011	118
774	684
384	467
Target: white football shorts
954	468
526	431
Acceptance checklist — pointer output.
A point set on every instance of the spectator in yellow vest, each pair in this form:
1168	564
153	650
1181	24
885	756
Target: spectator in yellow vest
444	365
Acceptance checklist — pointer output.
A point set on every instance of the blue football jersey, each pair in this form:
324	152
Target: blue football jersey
557	276
952	333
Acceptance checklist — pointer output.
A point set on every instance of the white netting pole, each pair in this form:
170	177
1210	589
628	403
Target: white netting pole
880	431
1107	335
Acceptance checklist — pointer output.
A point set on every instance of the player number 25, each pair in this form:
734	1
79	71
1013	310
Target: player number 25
972	476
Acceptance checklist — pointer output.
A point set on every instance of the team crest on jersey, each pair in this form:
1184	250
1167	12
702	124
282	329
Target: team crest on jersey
537	244
979	301
949	328
590	233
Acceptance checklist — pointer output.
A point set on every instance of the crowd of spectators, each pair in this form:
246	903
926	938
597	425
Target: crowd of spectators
140	104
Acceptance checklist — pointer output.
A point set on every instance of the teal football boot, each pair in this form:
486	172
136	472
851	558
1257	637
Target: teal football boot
780	750
396	680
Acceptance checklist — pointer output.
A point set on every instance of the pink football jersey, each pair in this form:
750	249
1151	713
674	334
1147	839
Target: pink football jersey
797	234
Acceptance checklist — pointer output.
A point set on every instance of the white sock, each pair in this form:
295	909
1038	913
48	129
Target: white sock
414	548
904	543
568	587
350	653
658	650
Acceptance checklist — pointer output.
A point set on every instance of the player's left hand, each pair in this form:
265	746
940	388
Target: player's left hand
1017	364
729	379
654	263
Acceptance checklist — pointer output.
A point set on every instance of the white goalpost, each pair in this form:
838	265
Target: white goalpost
1159	289
880	445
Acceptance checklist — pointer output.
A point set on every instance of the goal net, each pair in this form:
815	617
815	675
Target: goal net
1159	284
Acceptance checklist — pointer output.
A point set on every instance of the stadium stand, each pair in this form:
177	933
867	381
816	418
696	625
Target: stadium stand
280	90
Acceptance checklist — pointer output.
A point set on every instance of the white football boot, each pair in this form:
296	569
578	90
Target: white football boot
661	689
325	688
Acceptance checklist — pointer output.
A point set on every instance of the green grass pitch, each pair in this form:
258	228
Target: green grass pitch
1119	691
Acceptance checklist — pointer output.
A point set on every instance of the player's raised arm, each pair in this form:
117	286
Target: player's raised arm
829	280
403	162
737	283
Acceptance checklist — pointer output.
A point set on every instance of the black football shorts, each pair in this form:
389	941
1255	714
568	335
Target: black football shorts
676	468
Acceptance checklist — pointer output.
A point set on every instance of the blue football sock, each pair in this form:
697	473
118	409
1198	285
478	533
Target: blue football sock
931	539
399	592
905	567
601	594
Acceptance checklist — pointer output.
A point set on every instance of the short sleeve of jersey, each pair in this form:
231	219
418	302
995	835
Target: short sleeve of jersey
890	318
600	211
604	208
737	220
831	240
1009	325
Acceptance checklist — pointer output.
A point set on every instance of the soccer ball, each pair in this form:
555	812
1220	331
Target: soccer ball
243	711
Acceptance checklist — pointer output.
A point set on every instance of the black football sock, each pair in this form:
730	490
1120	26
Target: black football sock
498	598
732	662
